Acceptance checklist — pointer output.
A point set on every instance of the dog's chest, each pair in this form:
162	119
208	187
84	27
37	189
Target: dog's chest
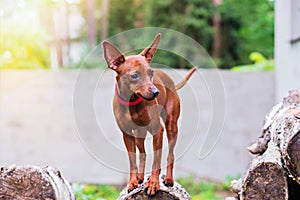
140	118
129	120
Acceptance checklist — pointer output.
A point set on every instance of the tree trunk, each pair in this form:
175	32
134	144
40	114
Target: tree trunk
30	182
140	15
275	172
104	19
91	22
177	192
217	30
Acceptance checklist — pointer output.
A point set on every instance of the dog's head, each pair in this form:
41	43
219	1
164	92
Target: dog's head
134	74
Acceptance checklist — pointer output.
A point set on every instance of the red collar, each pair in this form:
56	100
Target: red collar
127	103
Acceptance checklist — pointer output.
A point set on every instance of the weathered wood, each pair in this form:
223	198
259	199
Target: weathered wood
282	126
177	192
31	182
289	141
260	146
231	198
275	172
292	157
265	178
277	114
294	189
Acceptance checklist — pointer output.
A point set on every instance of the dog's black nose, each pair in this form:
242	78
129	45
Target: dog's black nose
155	92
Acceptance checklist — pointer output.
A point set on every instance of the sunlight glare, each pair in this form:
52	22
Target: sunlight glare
73	1
21	3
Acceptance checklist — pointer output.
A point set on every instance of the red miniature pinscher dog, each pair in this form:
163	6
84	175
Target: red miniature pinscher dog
142	96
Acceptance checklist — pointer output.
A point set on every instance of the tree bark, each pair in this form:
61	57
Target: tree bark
30	182
275	172
265	179
282	126
177	192
288	132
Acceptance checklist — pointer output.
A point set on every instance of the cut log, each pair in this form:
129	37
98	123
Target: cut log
31	182
290	104
275	172
260	146
289	138
282	126
294	189
265	179
177	192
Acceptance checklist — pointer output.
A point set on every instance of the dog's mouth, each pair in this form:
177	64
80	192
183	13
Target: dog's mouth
146	98
147	92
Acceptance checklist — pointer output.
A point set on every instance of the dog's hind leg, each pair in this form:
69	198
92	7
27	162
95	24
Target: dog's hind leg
171	124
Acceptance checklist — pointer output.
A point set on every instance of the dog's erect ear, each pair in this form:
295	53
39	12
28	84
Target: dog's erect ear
150	50
112	55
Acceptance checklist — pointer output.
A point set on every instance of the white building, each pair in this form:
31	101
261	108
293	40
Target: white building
287	46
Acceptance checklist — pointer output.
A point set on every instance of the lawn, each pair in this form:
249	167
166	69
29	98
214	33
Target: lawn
199	190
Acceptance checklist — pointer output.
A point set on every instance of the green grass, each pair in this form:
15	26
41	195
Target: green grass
199	190
95	192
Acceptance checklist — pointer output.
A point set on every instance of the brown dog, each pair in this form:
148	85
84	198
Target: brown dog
143	95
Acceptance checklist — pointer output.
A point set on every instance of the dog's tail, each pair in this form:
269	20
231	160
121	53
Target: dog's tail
186	78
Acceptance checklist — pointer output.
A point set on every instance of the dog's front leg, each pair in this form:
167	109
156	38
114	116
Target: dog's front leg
140	135
131	150
152	184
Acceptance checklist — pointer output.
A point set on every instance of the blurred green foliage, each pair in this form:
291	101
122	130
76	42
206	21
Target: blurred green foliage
246	26
250	24
23	47
260	63
24	43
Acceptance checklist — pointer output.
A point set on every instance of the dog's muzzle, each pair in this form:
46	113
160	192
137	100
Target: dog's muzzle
149	92
155	92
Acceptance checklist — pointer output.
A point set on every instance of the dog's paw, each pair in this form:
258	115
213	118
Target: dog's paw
132	185
168	181
140	178
152	185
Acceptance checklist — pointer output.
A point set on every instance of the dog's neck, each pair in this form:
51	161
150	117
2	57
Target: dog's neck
125	98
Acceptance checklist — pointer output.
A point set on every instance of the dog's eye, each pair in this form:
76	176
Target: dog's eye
134	77
151	73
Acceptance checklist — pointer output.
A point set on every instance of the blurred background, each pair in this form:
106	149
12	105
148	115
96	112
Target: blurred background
48	88
60	33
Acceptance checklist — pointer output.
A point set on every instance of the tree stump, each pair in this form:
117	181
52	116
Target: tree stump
275	171
31	182
177	192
